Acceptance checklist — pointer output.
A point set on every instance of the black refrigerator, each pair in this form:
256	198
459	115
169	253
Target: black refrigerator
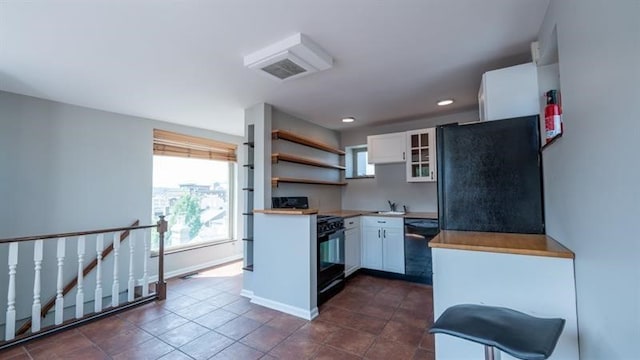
490	176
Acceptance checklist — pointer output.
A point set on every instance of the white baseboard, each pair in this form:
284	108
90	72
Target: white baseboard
246	293
291	310
351	271
194	268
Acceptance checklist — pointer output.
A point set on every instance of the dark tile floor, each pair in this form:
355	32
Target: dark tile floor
205	318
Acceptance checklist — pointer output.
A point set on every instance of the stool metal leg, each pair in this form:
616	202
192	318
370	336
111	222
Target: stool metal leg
491	353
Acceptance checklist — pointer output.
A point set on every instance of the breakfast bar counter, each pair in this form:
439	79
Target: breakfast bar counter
530	273
522	244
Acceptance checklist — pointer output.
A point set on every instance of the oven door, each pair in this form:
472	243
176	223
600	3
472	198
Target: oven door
330	258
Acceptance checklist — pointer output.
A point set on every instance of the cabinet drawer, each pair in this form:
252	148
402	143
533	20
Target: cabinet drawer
383	221
352	222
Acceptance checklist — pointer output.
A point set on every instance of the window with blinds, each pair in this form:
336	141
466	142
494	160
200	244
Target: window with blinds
167	143
193	187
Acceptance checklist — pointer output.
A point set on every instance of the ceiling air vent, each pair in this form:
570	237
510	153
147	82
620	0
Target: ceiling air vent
290	58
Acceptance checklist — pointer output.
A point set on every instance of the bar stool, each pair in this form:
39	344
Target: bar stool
520	335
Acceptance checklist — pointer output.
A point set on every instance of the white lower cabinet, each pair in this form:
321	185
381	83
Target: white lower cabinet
352	246
383	243
371	248
393	250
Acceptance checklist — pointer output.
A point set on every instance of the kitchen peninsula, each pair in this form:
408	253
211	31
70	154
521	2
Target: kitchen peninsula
285	275
531	273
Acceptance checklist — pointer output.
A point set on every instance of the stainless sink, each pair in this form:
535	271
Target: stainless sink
390	213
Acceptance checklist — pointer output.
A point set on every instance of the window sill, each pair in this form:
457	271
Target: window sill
360	177
154	253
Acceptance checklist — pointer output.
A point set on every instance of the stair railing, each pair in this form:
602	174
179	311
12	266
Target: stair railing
12	338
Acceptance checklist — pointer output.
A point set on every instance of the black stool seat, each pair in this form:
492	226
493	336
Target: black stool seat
518	334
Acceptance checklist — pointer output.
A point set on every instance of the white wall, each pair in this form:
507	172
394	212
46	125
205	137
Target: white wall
390	182
591	174
65	168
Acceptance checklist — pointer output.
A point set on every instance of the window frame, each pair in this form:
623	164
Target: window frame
351	162
177	145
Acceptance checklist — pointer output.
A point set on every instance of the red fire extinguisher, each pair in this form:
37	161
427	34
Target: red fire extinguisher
552	116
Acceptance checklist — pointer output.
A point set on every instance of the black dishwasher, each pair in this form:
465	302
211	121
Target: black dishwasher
417	253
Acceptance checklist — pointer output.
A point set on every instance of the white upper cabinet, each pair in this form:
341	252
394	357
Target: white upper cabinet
386	148
421	155
509	92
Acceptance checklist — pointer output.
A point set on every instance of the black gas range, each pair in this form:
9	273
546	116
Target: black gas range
330	238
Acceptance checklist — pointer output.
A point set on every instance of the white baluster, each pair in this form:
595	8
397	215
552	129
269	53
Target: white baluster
132	281
115	301
10	323
59	298
98	295
80	287
145	265
36	307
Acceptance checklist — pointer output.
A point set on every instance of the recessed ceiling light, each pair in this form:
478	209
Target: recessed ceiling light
445	102
348	120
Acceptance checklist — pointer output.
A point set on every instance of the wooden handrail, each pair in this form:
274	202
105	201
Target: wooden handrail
72	234
71	284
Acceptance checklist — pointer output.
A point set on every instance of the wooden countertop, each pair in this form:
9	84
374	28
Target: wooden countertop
352	213
344	213
421	215
347	213
522	244
287	211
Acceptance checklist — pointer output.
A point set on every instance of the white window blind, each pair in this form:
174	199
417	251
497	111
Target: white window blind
168	143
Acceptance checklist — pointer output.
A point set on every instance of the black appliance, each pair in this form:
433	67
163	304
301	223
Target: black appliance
290	202
330	256
490	176
417	253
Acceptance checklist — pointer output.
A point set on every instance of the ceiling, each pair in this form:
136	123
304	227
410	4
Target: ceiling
182	61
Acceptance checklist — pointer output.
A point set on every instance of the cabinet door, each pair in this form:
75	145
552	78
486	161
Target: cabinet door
372	248
386	148
352	250
509	92
432	155
393	250
421	155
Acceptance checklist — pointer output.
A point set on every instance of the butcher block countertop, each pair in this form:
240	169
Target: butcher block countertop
522	244
347	213
287	211
352	213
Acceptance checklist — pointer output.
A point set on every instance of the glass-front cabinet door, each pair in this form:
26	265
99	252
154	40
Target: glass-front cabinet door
421	159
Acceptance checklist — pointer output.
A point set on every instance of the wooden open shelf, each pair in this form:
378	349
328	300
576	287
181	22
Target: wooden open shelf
302	140
275	181
302	160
